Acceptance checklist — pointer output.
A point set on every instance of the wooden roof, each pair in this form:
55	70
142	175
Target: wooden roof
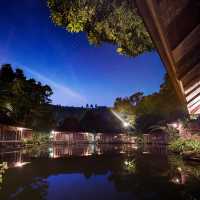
174	26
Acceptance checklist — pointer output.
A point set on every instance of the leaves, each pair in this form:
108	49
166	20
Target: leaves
113	21
157	108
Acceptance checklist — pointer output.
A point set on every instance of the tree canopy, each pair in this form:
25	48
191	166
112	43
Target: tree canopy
157	108
24	101
113	21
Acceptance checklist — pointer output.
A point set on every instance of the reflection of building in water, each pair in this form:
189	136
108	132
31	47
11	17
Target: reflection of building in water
155	149
12	134
71	150
89	138
13	158
156	137
57	151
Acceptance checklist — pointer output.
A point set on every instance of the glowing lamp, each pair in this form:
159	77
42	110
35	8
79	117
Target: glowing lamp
175	125
126	124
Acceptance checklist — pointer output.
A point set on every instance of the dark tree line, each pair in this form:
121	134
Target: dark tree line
24	101
94	120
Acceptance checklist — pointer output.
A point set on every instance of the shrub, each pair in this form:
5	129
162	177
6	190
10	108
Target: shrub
183	145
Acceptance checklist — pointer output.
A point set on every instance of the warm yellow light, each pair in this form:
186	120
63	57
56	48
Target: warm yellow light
126	124
175	125
179	169
20	129
21	164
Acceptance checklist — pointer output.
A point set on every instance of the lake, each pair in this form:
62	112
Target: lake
99	172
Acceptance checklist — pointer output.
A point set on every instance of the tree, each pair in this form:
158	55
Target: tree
25	101
125	109
159	108
136	98
6	78
155	109
70	124
102	121
113	21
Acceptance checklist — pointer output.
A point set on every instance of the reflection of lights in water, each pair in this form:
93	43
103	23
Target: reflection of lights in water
176	180
51	155
50	152
87	154
126	162
21	164
146	152
130	166
179	169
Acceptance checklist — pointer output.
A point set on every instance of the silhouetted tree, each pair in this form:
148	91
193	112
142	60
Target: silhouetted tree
70	124
24	100
101	121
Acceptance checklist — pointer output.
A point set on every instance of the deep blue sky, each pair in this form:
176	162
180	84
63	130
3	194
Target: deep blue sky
77	72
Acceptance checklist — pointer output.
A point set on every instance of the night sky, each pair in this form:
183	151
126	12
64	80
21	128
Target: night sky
77	72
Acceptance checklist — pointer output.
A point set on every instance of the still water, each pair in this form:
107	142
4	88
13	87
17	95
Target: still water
87	172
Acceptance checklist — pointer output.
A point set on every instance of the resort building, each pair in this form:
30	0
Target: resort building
13	134
69	137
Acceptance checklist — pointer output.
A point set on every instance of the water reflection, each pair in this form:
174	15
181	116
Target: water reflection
99	172
57	151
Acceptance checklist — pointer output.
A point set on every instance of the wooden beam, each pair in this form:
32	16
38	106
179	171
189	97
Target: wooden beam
194	101
188	62
195	110
149	11
190	73
192	108
169	11
187	18
191	85
192	93
192	40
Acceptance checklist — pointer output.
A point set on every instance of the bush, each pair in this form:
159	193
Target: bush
183	145
38	138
